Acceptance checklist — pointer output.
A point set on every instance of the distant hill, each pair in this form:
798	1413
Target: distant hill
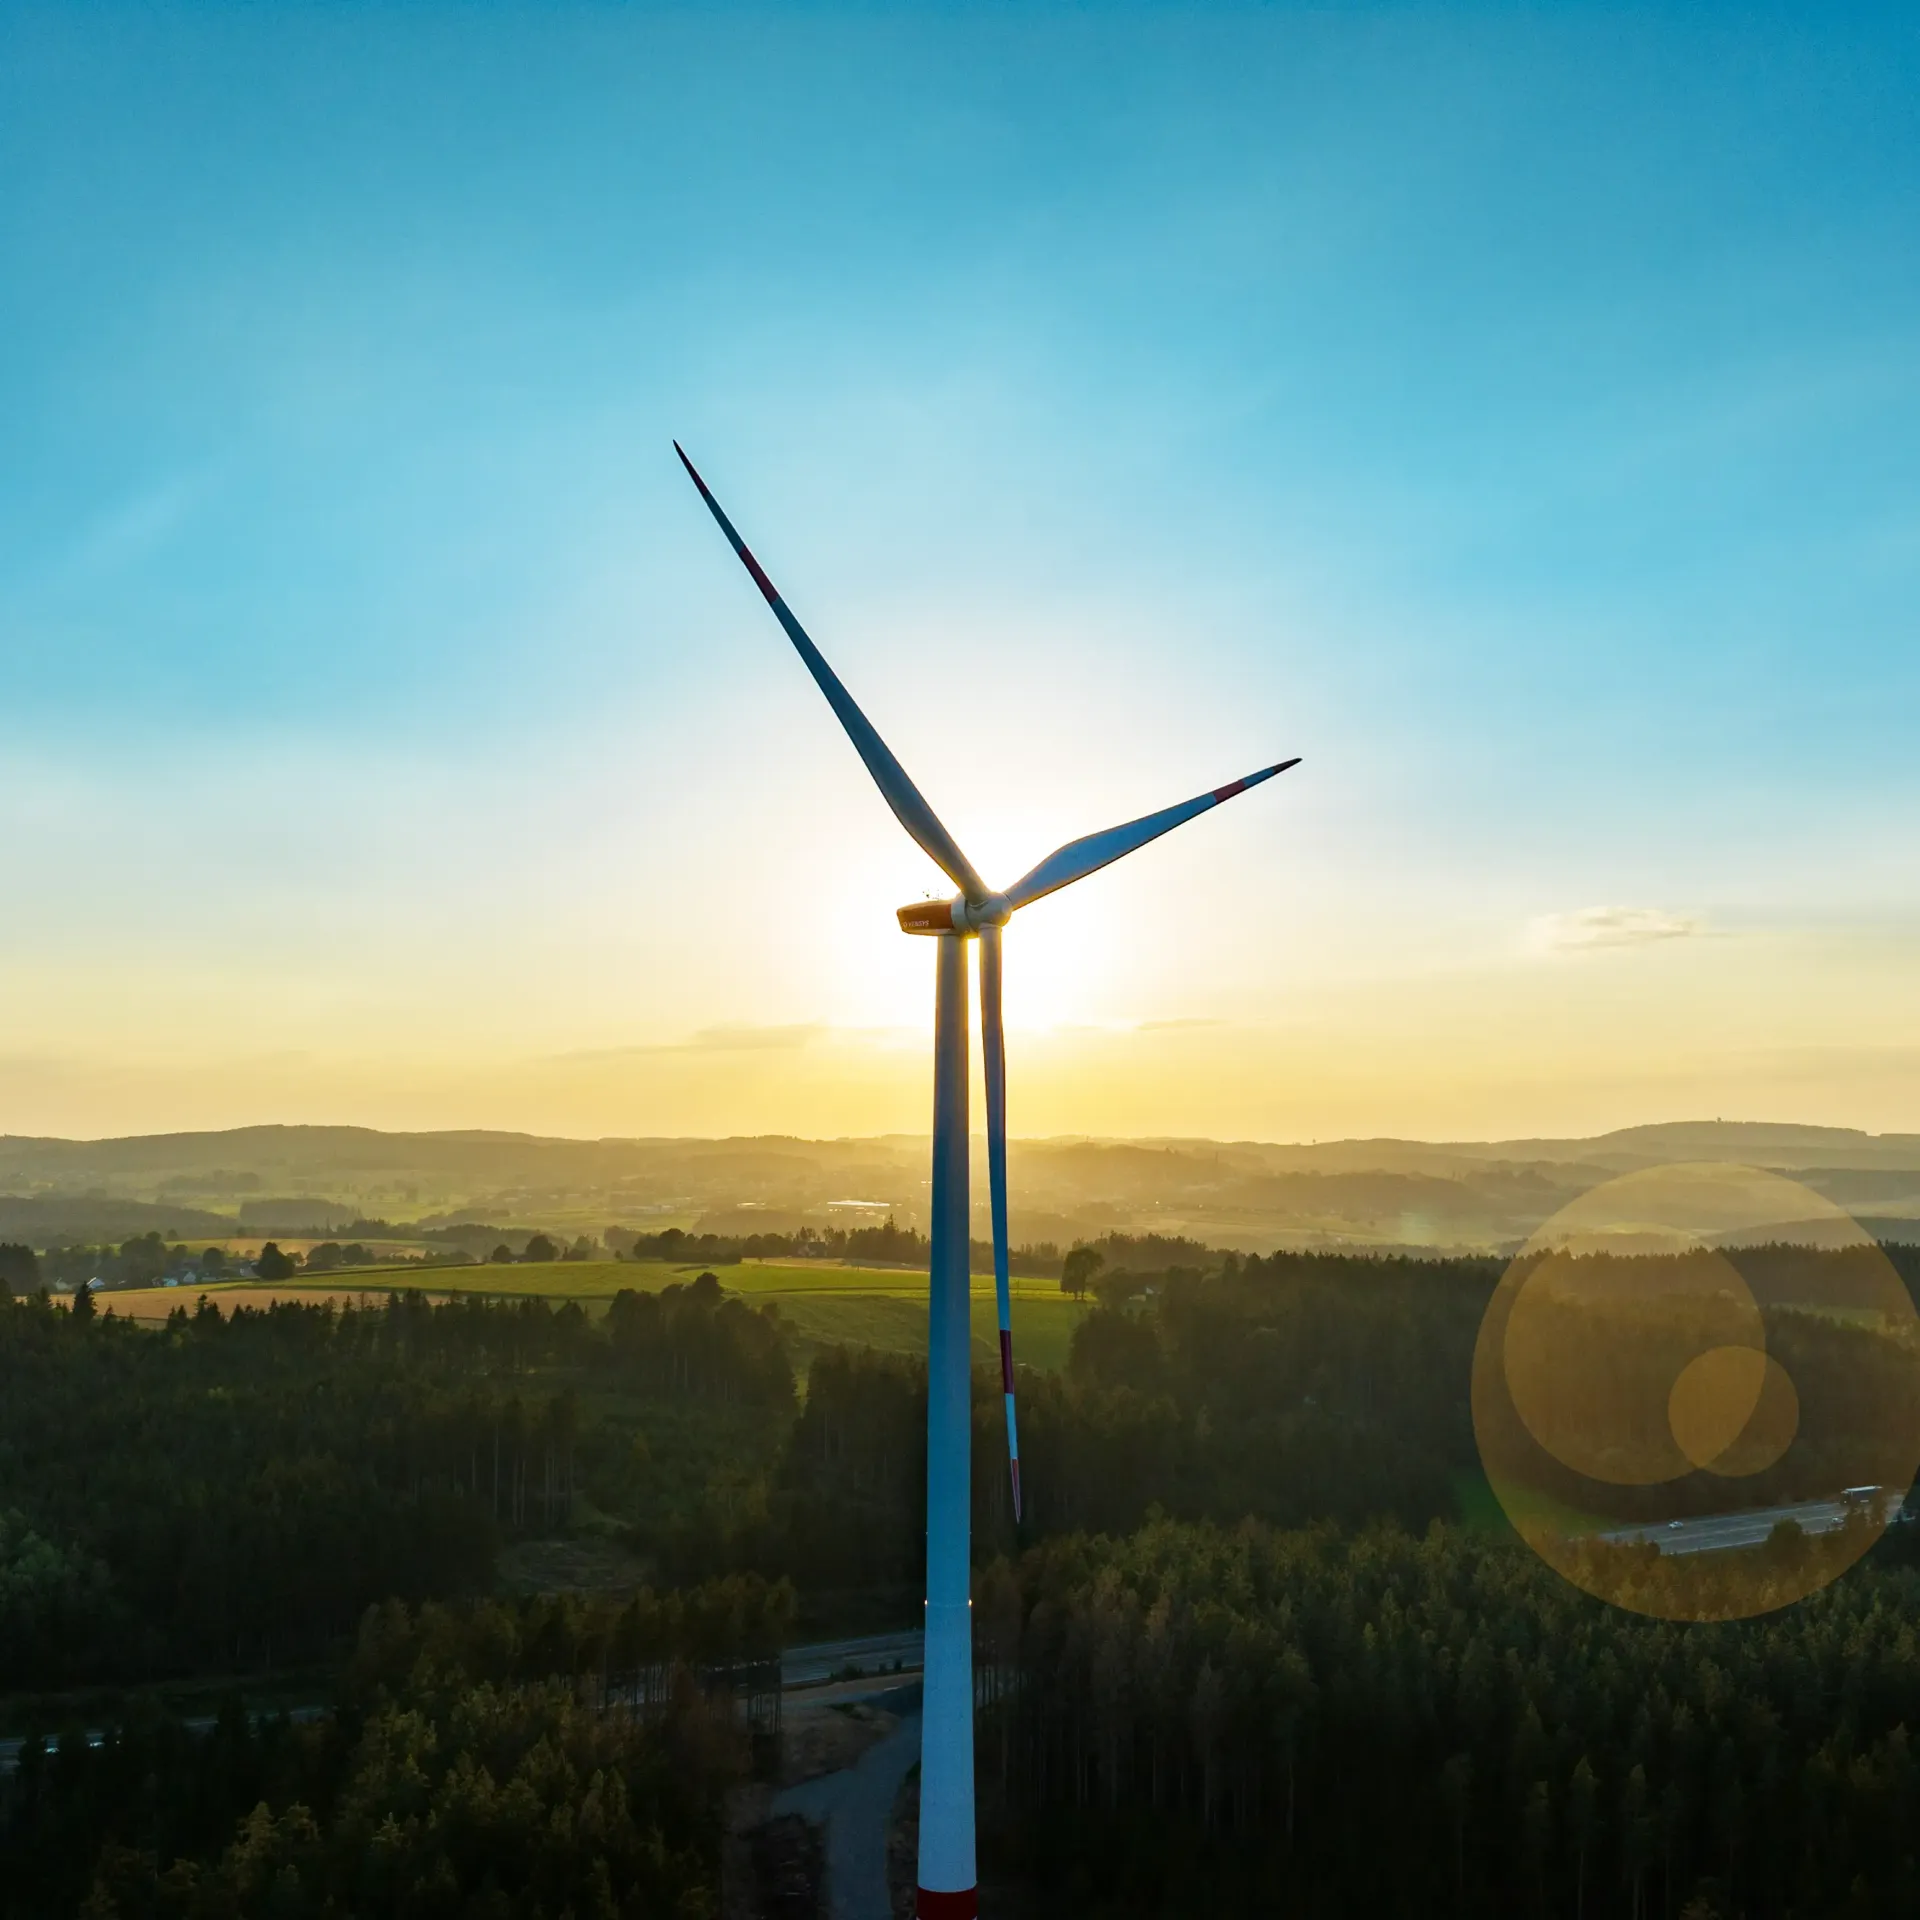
1252	1194
1757	1143
38	1219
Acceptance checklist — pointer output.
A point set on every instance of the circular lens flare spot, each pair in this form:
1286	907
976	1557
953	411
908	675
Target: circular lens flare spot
1696	1392
1716	1395
1770	1429
1595	1344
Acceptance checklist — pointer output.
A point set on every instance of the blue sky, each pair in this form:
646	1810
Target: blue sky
1513	412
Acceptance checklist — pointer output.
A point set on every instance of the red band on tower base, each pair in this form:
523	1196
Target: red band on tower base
945	1906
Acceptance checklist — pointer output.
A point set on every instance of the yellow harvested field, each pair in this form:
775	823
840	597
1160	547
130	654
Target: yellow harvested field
152	1305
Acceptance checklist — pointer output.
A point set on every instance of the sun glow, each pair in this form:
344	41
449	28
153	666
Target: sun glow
1054	984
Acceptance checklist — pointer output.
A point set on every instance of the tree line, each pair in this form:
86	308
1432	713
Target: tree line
235	1488
887	1245
230	1492
1294	1389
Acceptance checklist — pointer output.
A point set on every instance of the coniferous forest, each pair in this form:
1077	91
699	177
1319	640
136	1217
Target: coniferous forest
1262	1643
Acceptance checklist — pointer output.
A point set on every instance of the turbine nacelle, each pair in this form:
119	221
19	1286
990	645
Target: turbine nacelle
958	915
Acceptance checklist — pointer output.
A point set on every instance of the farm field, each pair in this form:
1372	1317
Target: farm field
151	1305
827	1303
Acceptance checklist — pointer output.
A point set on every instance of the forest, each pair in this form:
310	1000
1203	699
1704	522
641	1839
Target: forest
1202	1720
548	1758
1259	1596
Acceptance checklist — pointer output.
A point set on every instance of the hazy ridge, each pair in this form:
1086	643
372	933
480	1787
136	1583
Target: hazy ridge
1253	1194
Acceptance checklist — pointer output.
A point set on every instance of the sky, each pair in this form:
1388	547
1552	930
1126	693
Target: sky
1513	412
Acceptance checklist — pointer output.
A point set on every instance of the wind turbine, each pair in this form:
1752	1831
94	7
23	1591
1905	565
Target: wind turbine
946	1873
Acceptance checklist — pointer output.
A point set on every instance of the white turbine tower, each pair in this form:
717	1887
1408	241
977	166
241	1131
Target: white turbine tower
946	1876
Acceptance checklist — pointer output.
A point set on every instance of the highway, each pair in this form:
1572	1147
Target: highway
200	1723
1721	1532
875	1654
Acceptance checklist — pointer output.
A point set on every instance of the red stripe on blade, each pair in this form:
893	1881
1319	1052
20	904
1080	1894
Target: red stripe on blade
760	580
1227	792
1006	1361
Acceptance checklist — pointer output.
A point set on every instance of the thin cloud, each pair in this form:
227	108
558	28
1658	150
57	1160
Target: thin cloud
139	524
752	1039
730	1039
1591	927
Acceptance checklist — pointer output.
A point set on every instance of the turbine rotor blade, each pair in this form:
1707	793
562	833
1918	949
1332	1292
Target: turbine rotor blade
908	804
1078	858
993	1059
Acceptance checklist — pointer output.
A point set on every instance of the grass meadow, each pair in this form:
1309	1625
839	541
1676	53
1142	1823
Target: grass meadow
826	1303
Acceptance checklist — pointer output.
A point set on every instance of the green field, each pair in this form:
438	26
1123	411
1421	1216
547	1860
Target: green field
827	1303
897	1323
1482	1510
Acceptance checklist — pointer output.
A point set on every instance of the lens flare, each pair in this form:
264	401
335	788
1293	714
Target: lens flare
1715	1407
1696	1392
